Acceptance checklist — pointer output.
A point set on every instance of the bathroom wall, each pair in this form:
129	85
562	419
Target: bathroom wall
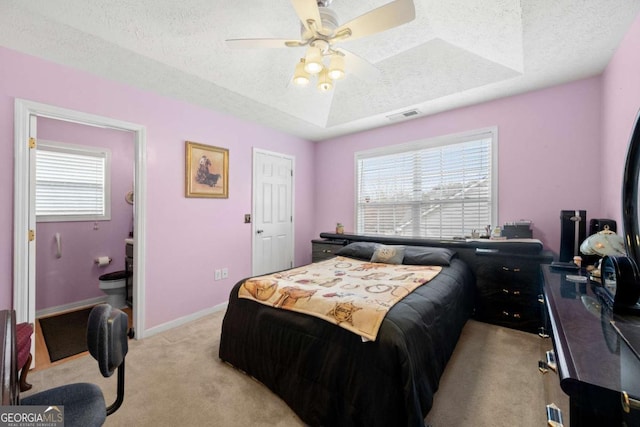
74	276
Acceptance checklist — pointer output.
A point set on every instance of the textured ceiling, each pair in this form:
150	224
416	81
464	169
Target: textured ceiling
455	53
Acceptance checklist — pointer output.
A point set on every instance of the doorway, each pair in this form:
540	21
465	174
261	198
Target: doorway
272	211
25	137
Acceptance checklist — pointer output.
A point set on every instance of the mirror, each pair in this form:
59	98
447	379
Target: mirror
620	274
630	203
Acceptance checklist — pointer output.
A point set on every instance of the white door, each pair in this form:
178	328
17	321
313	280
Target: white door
272	212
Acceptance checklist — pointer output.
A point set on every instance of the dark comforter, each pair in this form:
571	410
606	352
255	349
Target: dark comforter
329	377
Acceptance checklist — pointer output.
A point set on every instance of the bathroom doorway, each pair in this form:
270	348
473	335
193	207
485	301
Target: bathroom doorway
27	115
84	218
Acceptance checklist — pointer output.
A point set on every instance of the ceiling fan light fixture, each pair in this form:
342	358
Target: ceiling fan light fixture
300	76
313	60
324	82
336	66
320	30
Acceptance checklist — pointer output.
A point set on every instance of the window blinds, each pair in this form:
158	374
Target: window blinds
71	183
425	190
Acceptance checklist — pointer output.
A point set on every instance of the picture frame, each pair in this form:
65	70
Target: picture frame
206	171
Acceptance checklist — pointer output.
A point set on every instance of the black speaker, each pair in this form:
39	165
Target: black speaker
596	225
572	233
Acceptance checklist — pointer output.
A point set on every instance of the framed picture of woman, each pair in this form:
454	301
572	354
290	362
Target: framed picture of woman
206	171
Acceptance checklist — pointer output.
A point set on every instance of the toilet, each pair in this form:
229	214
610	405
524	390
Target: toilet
114	285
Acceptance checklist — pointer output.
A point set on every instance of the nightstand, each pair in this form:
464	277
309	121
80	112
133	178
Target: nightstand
325	249
509	287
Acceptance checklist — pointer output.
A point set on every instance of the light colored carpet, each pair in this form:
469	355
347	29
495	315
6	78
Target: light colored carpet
176	378
492	379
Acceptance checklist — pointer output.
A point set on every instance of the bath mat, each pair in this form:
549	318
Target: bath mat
65	334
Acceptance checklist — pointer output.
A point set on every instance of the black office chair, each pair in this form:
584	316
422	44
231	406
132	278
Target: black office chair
84	403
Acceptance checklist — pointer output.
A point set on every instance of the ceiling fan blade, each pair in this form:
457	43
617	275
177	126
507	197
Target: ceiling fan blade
390	15
360	67
261	43
307	10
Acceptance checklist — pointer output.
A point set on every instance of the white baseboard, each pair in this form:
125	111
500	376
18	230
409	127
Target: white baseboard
71	306
149	332
182	320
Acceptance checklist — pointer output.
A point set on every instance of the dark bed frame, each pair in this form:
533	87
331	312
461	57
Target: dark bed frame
329	377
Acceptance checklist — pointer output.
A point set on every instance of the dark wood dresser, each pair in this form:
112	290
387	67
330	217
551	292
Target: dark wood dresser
594	365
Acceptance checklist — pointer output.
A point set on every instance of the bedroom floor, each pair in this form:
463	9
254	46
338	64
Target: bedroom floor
492	380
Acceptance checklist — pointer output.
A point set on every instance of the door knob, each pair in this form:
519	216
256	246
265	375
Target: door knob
259	231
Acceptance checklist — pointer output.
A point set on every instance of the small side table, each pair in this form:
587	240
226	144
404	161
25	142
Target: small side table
325	249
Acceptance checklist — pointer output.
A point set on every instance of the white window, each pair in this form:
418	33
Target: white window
72	183
440	188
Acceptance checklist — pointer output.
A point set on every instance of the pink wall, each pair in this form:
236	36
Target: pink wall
548	145
74	276
186	238
620	105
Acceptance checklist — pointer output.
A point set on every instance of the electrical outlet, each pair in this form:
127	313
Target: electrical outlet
218	274
225	273
247	218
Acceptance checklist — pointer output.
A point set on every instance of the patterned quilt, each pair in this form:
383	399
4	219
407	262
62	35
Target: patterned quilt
353	294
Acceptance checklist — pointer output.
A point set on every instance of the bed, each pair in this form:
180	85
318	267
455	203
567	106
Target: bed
331	376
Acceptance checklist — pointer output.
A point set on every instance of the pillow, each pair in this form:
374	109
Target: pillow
425	255
359	250
388	254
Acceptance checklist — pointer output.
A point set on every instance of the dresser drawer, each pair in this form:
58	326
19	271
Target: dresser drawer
508	295
525	317
504	270
523	291
553	395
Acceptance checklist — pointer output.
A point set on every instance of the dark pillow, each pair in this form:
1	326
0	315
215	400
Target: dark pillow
358	250
425	255
388	254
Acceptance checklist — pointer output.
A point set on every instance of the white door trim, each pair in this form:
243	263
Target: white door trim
23	282
253	204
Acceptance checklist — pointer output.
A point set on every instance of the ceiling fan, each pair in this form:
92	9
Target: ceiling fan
320	33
